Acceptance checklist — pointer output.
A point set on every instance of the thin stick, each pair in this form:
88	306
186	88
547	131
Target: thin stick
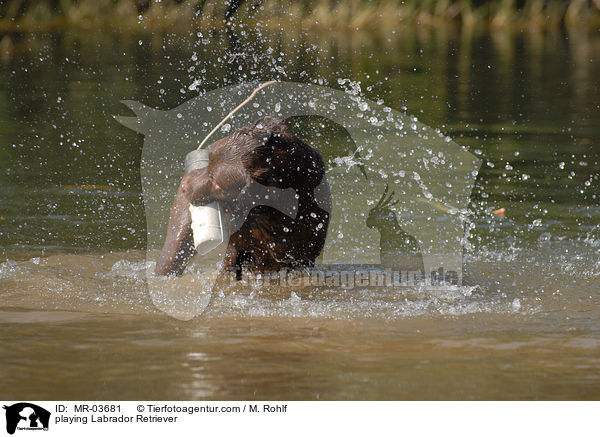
237	108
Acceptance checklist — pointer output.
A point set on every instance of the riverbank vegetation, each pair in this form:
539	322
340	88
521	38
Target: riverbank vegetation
339	15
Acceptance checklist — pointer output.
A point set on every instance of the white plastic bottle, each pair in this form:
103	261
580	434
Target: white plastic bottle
208	222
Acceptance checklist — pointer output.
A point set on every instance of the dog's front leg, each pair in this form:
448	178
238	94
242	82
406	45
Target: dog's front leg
179	243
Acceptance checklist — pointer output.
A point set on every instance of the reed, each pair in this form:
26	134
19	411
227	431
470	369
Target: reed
379	16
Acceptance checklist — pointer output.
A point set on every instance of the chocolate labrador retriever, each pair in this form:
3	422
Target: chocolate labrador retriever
262	154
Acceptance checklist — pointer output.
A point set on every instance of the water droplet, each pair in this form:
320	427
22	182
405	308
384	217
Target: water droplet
516	304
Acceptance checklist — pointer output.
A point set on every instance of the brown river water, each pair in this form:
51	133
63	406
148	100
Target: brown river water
76	317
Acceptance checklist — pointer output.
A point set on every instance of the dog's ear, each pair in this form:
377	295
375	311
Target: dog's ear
284	161
293	163
265	163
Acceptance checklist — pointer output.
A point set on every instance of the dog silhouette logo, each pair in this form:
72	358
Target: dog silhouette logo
26	416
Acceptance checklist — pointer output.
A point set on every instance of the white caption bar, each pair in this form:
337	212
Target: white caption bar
22	418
